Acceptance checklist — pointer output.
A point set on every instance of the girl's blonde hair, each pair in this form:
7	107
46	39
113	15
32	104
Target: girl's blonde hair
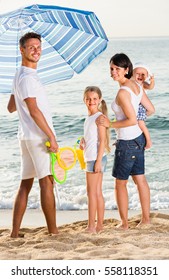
102	108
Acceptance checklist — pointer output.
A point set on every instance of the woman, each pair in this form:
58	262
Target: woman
129	153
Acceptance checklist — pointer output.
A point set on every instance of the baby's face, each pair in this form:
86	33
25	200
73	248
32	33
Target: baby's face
140	75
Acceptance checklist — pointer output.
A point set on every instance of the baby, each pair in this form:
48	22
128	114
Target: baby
143	76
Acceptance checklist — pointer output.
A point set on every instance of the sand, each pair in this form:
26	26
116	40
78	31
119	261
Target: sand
73	243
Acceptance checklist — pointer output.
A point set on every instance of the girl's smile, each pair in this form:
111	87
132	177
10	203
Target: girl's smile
92	102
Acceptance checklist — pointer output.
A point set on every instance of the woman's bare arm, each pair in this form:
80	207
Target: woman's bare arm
145	101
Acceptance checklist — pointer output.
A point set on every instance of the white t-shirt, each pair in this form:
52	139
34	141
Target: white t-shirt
27	84
91	137
129	132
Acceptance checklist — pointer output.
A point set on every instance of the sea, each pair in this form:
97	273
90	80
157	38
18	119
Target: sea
69	112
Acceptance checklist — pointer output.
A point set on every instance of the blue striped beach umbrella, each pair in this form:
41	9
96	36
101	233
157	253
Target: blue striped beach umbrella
71	39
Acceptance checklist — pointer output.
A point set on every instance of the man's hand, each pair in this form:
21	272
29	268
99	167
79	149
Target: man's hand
53	146
11	104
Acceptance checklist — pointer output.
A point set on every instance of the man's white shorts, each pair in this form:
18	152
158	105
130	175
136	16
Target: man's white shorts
35	159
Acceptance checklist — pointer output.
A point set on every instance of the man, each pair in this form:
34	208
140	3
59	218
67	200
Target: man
29	100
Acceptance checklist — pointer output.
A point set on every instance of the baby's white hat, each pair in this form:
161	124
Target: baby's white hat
142	65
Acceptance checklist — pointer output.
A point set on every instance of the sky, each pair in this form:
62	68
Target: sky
119	18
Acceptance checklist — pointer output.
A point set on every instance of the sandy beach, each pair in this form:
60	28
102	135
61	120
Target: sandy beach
73	243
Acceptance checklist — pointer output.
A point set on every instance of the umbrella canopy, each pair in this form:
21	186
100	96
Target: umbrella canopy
71	39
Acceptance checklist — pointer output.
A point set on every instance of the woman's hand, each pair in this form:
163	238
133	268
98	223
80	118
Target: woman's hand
103	120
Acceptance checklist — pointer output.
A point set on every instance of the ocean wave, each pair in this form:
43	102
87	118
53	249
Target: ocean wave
158	122
8	127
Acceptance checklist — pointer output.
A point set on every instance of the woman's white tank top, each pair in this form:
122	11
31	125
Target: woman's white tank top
130	132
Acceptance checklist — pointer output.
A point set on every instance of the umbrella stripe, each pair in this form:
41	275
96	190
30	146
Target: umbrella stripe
73	20
72	46
85	25
90	24
87	57
77	21
93	22
57	8
79	45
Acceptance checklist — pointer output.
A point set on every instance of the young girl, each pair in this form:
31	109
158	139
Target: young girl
94	143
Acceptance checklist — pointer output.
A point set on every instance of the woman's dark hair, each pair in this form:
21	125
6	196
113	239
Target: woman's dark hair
122	60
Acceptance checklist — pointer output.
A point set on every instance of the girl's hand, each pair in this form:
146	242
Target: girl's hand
97	167
82	144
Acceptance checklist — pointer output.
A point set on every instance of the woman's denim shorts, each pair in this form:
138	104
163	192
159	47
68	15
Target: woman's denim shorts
129	158
90	165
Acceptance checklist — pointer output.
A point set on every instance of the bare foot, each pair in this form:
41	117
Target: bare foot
54	232
142	225
99	229
19	235
90	230
122	226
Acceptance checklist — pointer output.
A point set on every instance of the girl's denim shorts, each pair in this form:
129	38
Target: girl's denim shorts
129	158
90	165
